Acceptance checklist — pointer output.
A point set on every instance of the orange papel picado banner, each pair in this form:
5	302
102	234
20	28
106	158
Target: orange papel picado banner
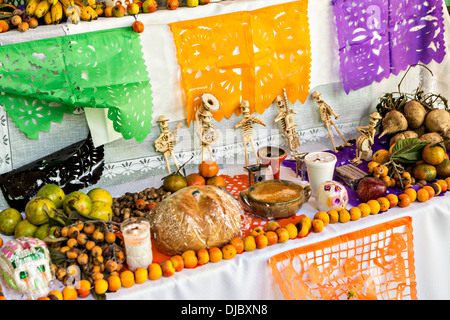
245	55
373	263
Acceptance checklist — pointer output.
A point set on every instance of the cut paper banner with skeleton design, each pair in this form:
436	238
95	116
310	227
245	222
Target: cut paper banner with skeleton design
378	38
246	55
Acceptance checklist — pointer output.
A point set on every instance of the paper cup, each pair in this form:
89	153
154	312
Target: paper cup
320	168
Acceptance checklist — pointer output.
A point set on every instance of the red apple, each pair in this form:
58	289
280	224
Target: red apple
370	188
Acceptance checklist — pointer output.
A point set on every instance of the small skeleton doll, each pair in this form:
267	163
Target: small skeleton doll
206	131
247	126
365	142
287	122
166	141
325	114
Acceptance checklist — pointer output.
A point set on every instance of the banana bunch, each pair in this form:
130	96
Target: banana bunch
71	12
87	13
50	10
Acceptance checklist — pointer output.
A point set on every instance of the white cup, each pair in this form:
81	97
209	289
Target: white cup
320	168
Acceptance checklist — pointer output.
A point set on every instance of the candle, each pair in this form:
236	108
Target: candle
138	246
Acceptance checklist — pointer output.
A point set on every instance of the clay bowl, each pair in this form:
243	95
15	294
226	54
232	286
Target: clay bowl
274	199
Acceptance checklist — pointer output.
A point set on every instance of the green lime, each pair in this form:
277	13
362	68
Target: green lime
79	200
102	195
101	210
42	231
174	183
52	192
25	229
9	218
36	212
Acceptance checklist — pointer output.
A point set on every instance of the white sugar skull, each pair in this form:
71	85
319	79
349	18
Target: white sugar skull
331	195
25	266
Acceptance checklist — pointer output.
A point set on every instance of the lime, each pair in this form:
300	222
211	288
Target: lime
99	194
79	200
35	210
101	210
42	231
52	192
9	218
25	229
174	183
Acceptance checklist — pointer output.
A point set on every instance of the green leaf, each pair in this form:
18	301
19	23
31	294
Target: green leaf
408	150
57	256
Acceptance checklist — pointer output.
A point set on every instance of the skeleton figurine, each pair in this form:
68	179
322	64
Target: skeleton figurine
325	114
287	122
365	142
247	127
166	141
206	131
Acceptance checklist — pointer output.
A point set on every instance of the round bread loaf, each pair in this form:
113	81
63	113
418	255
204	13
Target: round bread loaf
194	218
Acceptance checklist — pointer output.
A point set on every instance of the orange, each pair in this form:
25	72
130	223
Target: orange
404	200
238	243
283	234
215	254
384	203
127	279
317	225
178	262
208	169
262	241
114	283
190	259
355	213
365	209
372	165
229	251
110	237
393	199
322	215
4	25
154	271
433	154
43	298
55	295
100	286
430	190
256	231
437	188
194	179
334	216
425	172
217	181
381	156
272	237
411	193
141	275
292	229
422	195
83	288
1	242
137	26
441	182
374	206
448	182
69	293
203	256
174	182
344	215
250	243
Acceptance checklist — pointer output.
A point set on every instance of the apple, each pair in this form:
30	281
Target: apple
118	10
108	11
370	188
149	6
202	2
132	9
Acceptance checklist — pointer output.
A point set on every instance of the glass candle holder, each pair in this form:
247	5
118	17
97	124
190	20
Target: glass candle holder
138	246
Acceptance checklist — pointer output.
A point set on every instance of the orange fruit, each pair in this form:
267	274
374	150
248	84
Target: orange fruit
154	271
178	262
174	182
190	259
250	243
262	241
365	209
436	187
283	234
141	275
422	195
238	243
127	279
272	237
256	231
1	242
384	203
55	295
372	165
448	182
441	182
114	283
273	225
208	169
433	154
83	288
203	256
344	215
137	26
425	172
430	190
215	254
41	298
195	179
381	156
69	293
322	215
317	225
404	200
4	25
217	181
100	286
355	213
411	193
229	251
374	206
292	229
334	216
393	200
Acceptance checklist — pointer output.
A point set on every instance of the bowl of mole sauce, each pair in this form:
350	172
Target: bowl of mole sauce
273	199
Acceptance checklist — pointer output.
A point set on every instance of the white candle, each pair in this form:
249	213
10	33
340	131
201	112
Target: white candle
138	246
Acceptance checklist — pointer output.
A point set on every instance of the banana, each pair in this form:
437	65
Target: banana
93	13
85	14
42	8
48	18
31	7
66	3
74	18
79	3
92	3
56	12
52	2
